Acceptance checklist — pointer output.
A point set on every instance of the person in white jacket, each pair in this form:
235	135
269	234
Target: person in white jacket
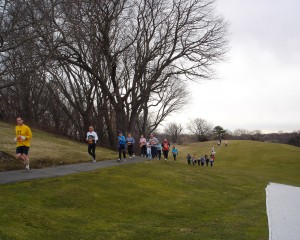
92	138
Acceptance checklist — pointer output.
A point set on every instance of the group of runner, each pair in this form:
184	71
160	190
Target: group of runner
151	148
201	161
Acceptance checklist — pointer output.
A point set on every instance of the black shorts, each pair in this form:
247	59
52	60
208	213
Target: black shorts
22	150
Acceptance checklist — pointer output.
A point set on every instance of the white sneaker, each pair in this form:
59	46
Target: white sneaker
94	160
119	160
130	157
133	155
27	168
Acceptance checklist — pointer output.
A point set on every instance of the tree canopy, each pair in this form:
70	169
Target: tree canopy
118	65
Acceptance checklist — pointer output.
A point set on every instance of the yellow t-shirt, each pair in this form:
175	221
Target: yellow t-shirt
25	131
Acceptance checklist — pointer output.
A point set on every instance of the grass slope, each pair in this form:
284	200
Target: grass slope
47	149
155	200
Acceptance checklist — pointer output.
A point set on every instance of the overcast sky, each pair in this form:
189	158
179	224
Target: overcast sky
258	87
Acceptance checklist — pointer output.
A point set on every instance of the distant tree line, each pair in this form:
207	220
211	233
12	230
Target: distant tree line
115	64
201	130
292	138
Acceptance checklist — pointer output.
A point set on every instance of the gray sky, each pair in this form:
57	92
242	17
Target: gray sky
258	87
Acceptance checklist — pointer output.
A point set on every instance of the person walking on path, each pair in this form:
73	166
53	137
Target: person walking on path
159	148
143	146
165	149
23	137
121	146
153	143
92	138
175	153
149	155
130	142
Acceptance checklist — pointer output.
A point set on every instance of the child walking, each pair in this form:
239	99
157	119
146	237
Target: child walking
175	153
189	159
149	154
165	149
206	160
194	159
202	161
211	160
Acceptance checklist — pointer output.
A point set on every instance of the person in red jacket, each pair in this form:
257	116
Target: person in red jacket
165	148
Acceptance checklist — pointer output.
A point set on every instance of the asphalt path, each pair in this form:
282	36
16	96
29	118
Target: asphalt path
58	171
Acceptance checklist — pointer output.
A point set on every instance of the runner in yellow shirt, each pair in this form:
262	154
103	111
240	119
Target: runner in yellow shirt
23	136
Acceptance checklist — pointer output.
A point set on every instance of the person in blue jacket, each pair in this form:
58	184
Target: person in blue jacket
175	153
121	146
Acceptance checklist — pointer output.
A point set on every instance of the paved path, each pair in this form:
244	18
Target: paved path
21	175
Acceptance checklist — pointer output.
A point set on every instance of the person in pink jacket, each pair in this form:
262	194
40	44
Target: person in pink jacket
143	146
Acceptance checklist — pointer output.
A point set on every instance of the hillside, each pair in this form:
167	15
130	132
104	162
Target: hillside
46	150
269	161
155	199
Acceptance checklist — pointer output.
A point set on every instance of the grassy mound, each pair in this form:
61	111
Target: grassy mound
155	199
47	150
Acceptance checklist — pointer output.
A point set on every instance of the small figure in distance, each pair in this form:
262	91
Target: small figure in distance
211	160
92	138
130	141
159	148
199	161
175	153
149	154
121	146
194	159
189	159
202	160
153	143
143	146
166	149
206	160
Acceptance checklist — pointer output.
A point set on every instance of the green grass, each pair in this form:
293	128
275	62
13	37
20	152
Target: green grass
47	149
155	200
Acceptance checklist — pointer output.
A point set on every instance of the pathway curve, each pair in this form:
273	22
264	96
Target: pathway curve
57	171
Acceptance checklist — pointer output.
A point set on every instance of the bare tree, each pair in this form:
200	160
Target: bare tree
174	130
200	128
117	62
170	98
139	46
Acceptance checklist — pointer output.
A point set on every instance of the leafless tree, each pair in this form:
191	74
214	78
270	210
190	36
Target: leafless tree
170	98
114	61
174	130
200	128
138	46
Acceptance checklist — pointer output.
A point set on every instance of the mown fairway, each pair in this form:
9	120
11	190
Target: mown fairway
155	200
